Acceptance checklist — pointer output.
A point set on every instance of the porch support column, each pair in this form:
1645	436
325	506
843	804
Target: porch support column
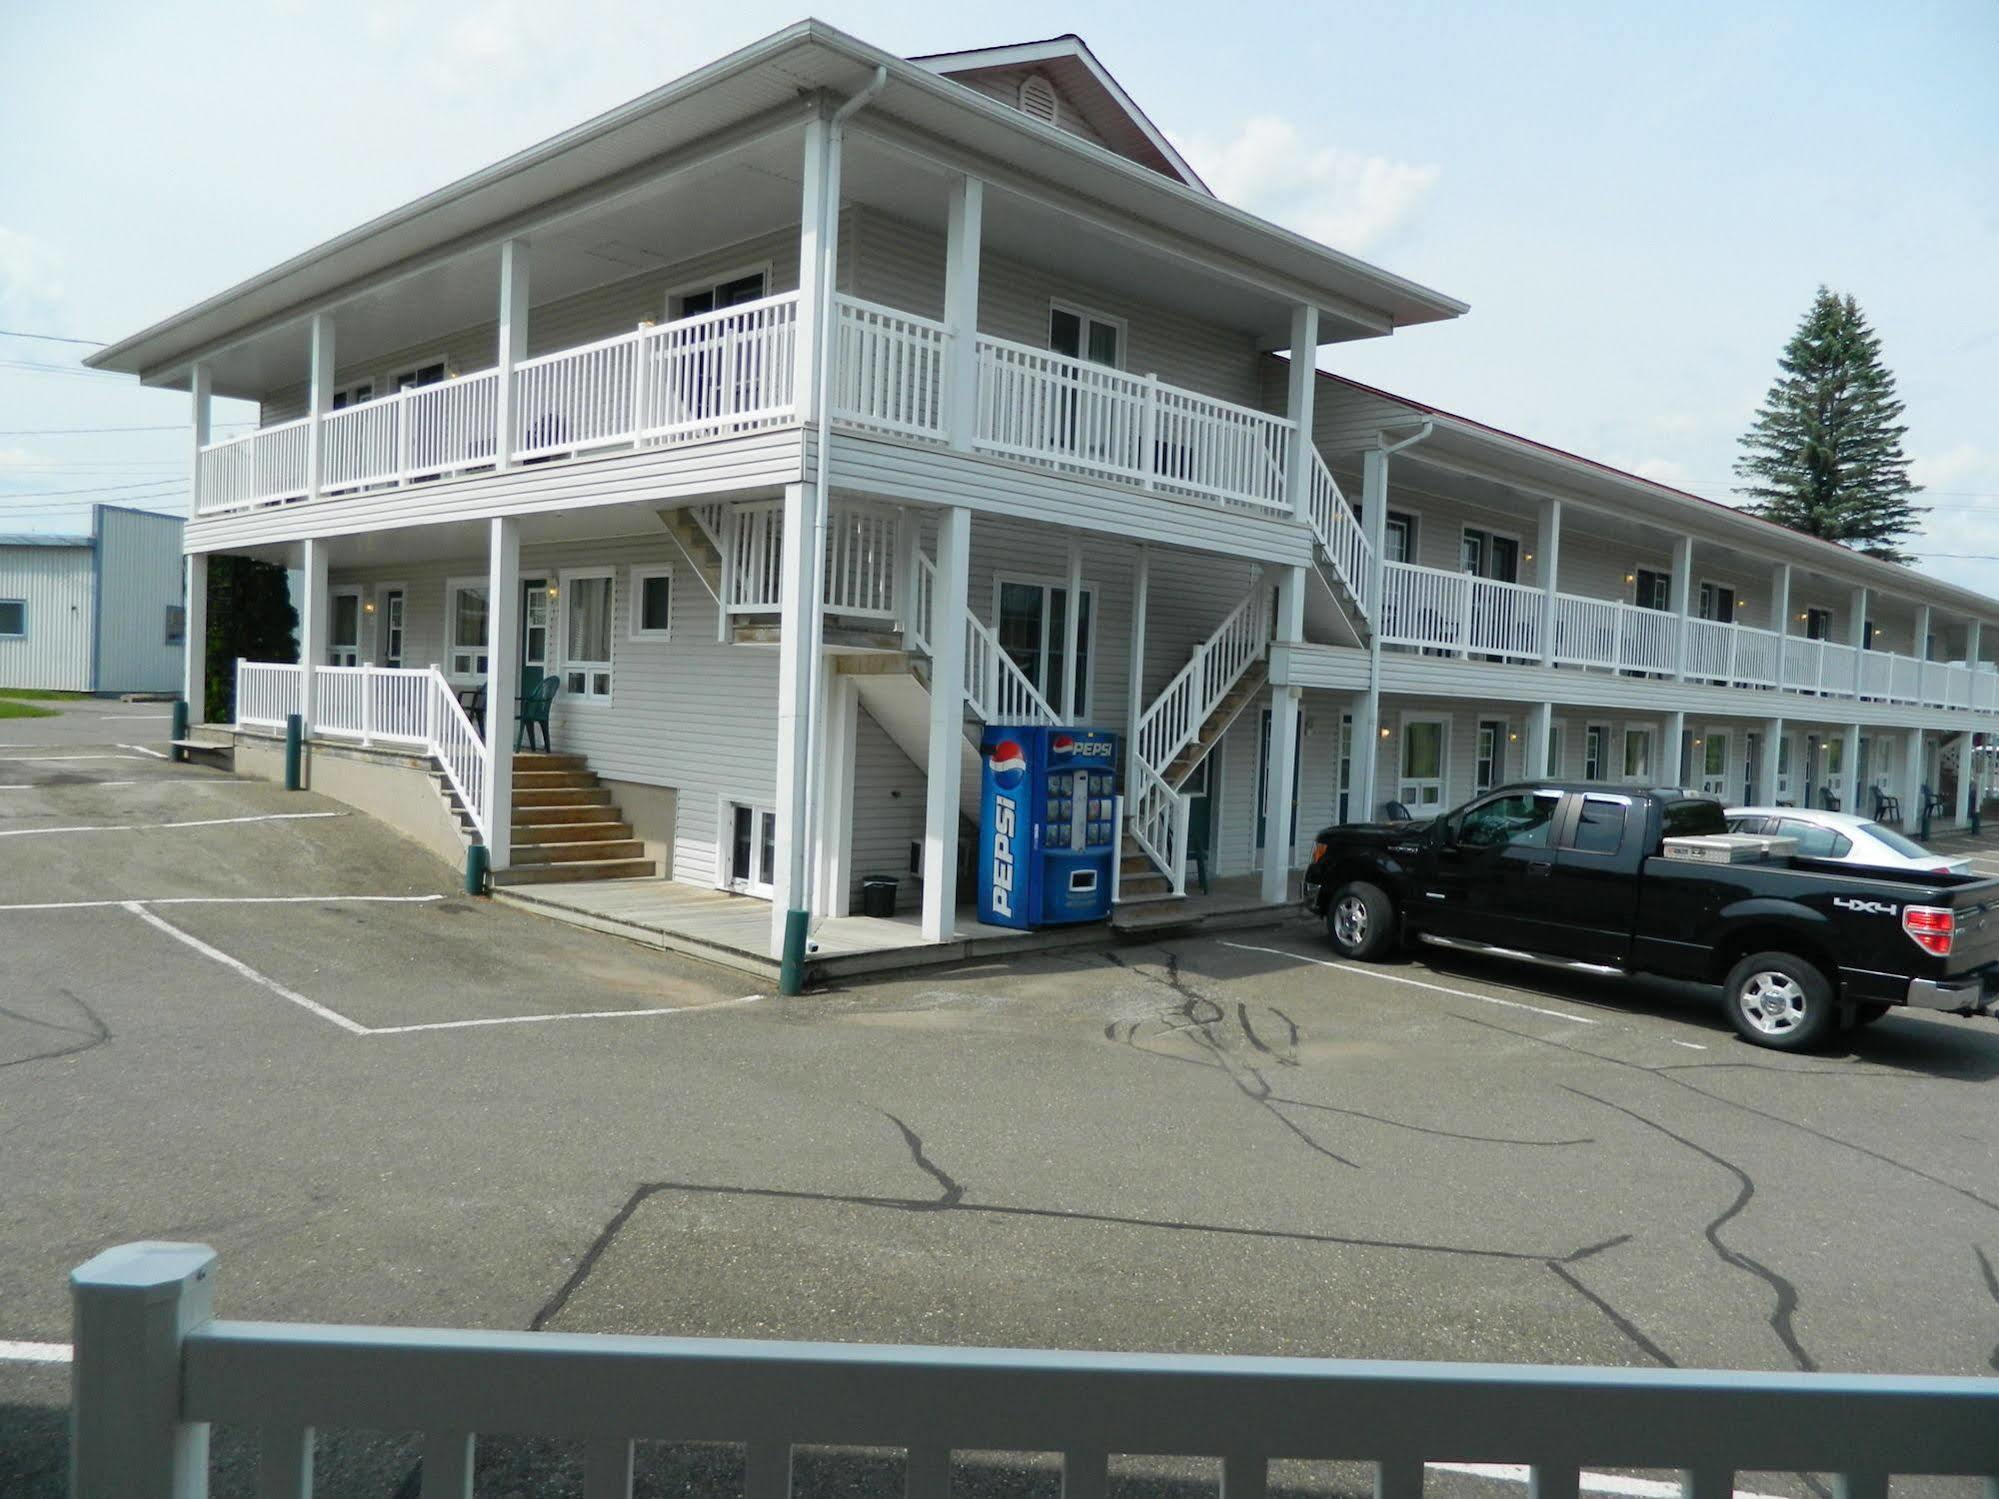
503	632
1547	573
200	384
194	654
1672	767
1780	613
964	227
1911	789
1540	734
1683	570
941	811
1304	384
311	626
1857	637
1972	644
1768	751
1364	796
1366	751
319	401
1919	646
1849	769
1141	590
1963	811
794	722
513	344
831	887
817	223
1072	618
1282	756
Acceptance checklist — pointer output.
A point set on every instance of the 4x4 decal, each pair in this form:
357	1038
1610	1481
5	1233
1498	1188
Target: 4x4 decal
1869	907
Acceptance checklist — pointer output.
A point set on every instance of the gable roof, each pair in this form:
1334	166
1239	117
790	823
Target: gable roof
1098	98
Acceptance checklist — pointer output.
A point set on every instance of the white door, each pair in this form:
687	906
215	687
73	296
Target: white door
1420	787
1714	764
343	646
753	850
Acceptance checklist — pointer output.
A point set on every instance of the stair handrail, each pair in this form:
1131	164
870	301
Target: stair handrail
1174	718
922	600
459	750
995	686
1156	815
1341	534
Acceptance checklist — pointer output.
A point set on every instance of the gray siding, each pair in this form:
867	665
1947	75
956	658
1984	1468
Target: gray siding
138	580
55	585
888	812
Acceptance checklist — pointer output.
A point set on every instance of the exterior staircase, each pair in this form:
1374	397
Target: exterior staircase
693	531
565	826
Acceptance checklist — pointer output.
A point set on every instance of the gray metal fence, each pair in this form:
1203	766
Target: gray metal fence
153	1368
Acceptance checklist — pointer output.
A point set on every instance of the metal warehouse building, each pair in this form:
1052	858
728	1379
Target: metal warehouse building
96	613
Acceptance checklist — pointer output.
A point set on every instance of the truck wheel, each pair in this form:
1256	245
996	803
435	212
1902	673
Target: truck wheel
1778	1000
1360	920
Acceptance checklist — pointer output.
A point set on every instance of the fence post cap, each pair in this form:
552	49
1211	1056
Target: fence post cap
155	1268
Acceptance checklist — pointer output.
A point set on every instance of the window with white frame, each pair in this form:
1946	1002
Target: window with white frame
586	634
465	628
652	603
1033	629
1554	764
1088	336
1638	755
1596	746
343	636
1399	536
353	395
1421	783
13	617
713	296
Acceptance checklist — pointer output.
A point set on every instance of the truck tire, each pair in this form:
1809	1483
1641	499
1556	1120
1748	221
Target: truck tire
1778	1000
1360	921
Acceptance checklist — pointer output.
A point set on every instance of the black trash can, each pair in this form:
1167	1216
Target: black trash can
878	895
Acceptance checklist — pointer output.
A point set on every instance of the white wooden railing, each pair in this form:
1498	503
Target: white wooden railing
718	374
412	706
1174	719
1156	816
996	689
862	548
1435	609
888	369
1342	536
154	1368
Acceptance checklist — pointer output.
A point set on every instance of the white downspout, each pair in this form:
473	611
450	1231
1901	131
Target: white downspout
1378	588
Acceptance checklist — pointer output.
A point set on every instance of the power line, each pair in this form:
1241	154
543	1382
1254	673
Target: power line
36	494
54	338
183	427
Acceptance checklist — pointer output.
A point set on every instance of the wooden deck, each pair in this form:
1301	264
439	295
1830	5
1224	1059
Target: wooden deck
734	930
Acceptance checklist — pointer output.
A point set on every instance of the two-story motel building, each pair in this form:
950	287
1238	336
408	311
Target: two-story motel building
962	349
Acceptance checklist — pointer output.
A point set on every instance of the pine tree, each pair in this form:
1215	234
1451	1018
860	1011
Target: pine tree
1824	455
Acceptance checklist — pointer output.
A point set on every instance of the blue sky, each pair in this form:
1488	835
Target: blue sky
1637	202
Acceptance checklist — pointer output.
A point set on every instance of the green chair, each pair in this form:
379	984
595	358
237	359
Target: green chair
534	710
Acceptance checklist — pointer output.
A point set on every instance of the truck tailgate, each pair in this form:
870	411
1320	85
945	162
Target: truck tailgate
1977	941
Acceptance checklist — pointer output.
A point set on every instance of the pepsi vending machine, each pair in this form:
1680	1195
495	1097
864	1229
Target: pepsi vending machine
1047	825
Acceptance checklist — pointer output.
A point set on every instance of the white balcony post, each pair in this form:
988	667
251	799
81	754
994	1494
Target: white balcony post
964	230
1769	751
1365	749
831	887
1673	772
1683	579
1282	756
312	628
1141	599
1540	737
818	219
1857	637
319	401
1780	616
947	723
1973	644
200	385
1548	573
1072	617
1920	647
132	1308
1849	769
1911	794
1963	808
503	668
1298	407
513	348
1374	522
794	722
194	652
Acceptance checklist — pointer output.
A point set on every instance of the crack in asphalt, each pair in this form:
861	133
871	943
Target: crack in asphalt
1664	1072
1783	1316
953	1192
1621	1322
1201	1027
95	1035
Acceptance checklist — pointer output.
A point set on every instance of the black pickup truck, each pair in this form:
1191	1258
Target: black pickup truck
1574	875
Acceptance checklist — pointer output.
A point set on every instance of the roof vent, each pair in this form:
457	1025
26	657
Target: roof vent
1037	97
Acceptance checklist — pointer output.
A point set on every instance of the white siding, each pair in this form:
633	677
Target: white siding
138	580
55	585
888	812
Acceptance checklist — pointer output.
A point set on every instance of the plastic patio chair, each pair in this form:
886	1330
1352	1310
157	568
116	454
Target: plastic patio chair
534	710
1399	813
1828	799
1886	808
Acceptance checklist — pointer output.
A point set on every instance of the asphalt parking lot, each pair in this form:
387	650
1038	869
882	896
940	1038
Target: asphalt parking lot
250	1018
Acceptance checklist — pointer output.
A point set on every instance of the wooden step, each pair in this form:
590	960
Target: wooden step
557	816
570	832
596	869
603	850
542	760
1144	887
546	780
562	796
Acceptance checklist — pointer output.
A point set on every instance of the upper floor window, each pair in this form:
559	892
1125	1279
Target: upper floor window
735	291
1717	602
1399	539
1087	336
430	372
1655	589
1818	624
1487	554
354	395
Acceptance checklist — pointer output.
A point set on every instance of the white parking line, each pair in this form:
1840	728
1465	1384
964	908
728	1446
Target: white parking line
218	900
1590	1483
148	827
1396	978
33	1353
144	751
244	969
64	759
459	1025
133	717
52	786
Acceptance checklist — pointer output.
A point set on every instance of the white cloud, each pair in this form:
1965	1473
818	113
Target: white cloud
1956	468
30	274
1343	198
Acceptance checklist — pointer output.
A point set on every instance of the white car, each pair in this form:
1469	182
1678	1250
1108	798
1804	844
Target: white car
1845	836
